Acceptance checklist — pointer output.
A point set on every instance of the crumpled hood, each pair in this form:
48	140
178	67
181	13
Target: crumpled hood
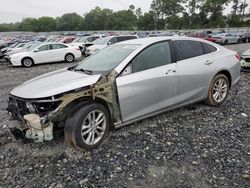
54	83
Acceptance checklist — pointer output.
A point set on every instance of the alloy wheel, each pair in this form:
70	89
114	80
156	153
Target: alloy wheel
27	62
93	127
220	90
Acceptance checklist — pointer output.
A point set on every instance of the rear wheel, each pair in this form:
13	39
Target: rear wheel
69	58
226	42
88	126
218	90
27	62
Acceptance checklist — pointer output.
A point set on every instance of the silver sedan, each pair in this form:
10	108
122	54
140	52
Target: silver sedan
122	84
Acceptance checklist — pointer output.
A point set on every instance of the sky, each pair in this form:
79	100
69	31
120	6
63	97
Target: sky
16	10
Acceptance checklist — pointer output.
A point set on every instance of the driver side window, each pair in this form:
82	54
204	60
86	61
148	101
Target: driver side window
154	56
44	48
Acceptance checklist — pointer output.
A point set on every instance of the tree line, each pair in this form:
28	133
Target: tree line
163	14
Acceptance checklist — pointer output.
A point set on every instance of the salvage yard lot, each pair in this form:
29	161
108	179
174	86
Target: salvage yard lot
195	146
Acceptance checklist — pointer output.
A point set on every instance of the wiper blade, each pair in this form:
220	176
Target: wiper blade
84	70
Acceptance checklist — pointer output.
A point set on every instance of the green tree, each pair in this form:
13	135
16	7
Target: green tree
98	19
29	24
70	22
146	22
124	20
46	24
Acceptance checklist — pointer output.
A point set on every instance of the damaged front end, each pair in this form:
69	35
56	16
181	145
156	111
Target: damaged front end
33	117
39	118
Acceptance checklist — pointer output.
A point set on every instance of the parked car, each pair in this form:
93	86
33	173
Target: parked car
106	41
202	35
45	53
245	60
121	84
67	39
84	42
245	37
226	38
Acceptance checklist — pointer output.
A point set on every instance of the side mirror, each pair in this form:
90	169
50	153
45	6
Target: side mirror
36	50
109	43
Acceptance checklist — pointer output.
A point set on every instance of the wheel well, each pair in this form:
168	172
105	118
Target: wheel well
69	54
27	58
228	75
69	107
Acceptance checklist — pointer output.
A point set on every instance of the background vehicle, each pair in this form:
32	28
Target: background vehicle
143	78
84	42
45	53
245	60
226	38
104	42
202	35
245	37
67	39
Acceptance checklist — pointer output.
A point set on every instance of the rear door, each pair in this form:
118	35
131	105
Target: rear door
58	52
149	83
195	69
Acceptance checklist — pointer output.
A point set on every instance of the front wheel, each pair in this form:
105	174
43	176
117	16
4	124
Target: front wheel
218	90
27	62
69	58
88	126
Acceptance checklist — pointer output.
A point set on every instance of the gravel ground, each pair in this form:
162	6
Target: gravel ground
195	146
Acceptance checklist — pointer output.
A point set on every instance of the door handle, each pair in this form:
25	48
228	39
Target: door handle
170	70
208	62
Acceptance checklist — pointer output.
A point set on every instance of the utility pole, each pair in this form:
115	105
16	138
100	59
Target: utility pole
243	11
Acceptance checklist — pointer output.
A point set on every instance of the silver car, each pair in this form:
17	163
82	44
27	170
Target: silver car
226	38
121	84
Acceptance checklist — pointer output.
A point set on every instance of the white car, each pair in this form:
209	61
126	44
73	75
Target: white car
101	43
45	53
226	38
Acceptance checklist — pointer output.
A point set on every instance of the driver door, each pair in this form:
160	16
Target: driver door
41	55
151	85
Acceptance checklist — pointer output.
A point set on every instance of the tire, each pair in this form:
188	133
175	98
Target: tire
247	40
69	58
89	136
238	41
27	62
218	90
226	42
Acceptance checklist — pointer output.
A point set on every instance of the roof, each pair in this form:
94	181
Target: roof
150	40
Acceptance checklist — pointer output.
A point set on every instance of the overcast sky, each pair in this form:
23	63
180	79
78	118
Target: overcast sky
16	10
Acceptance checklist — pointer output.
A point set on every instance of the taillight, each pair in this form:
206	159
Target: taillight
238	56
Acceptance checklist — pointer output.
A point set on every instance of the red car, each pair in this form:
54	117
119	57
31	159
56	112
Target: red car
202	35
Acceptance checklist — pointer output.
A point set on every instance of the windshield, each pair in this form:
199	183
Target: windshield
76	40
102	41
83	39
107	59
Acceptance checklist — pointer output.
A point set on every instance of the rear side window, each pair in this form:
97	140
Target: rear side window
208	48
120	39
185	49
154	56
58	46
131	37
